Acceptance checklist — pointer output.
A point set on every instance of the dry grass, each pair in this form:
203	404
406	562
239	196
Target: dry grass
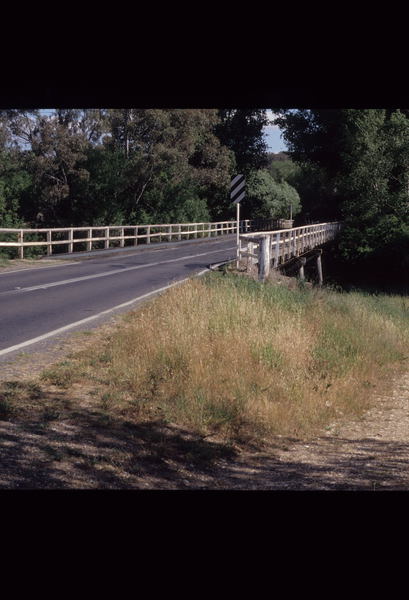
226	355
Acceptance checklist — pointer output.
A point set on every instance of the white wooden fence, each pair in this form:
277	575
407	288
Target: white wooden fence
104	236
272	248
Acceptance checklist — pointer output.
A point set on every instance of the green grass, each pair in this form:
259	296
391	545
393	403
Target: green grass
4	261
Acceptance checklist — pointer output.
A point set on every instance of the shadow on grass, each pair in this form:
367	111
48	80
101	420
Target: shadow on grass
47	444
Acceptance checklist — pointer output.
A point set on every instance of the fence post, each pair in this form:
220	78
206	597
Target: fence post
49	246
170	233
136	236
106	243
250	259
148	233
277	256
122	241
70	242
264	258
179	232
89	236
20	241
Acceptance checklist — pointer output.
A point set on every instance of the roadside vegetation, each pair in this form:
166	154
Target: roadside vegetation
4	260
229	357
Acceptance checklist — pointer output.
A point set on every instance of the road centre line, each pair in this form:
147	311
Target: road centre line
93	317
108	273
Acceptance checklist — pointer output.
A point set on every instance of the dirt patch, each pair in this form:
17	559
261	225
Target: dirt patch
63	441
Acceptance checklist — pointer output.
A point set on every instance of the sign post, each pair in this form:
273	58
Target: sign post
237	194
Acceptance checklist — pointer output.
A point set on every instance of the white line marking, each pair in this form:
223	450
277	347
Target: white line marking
93	317
133	251
118	256
108	273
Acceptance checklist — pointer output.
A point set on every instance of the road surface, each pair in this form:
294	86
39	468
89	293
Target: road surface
40	303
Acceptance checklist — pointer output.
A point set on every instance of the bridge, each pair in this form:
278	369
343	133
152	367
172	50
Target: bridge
122	268
273	249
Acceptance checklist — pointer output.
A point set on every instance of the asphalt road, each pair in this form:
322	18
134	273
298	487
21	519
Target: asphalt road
40	303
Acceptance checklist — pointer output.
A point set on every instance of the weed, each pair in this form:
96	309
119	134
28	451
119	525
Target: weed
7	408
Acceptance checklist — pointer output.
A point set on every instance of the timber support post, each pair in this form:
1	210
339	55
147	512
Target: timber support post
70	241
319	268
301	273
21	241
250	259
50	247
264	258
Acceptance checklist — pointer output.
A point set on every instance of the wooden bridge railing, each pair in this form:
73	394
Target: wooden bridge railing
270	249
103	236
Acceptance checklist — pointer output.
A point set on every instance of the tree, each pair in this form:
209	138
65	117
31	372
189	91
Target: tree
282	168
122	166
375	208
242	131
315	141
268	199
56	160
165	149
361	157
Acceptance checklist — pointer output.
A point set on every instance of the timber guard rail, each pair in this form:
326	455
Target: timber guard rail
274	248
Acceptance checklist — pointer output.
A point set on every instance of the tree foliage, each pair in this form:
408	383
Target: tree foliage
241	130
269	199
77	167
357	162
116	166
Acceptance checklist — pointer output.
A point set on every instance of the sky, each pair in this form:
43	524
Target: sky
273	137
274	141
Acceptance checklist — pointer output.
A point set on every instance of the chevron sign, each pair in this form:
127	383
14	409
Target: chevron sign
237	192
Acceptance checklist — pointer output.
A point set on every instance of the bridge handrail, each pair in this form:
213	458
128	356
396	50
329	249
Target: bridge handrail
272	248
260	234
212	229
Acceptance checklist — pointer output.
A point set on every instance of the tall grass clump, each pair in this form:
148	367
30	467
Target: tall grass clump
225	354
